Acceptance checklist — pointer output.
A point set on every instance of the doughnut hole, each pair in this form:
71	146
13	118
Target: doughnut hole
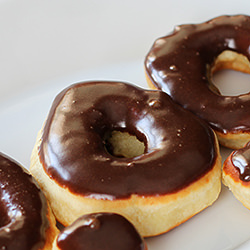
229	68
123	144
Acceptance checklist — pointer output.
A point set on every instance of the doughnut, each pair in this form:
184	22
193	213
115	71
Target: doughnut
236	174
81	162
26	221
106	231
183	63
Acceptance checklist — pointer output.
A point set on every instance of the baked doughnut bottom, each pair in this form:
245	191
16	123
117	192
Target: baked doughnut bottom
52	231
233	140
151	215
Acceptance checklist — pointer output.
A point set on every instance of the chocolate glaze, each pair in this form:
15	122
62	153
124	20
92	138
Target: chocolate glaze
178	63
106	231
179	146
241	160
22	226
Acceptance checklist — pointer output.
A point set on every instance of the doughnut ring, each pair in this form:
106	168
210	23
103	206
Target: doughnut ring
85	157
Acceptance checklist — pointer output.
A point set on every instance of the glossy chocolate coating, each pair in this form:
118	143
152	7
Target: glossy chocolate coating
178	64
22	226
179	146
241	160
106	231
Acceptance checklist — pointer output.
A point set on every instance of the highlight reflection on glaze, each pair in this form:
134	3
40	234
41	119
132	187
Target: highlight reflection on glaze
241	160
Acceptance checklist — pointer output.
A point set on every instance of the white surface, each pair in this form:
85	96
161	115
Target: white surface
47	45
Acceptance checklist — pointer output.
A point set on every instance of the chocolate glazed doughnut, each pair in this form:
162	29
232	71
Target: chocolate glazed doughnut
182	65
104	231
79	173
26	222
236	174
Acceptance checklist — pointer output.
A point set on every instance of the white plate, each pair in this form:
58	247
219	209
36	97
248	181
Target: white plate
47	45
224	225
